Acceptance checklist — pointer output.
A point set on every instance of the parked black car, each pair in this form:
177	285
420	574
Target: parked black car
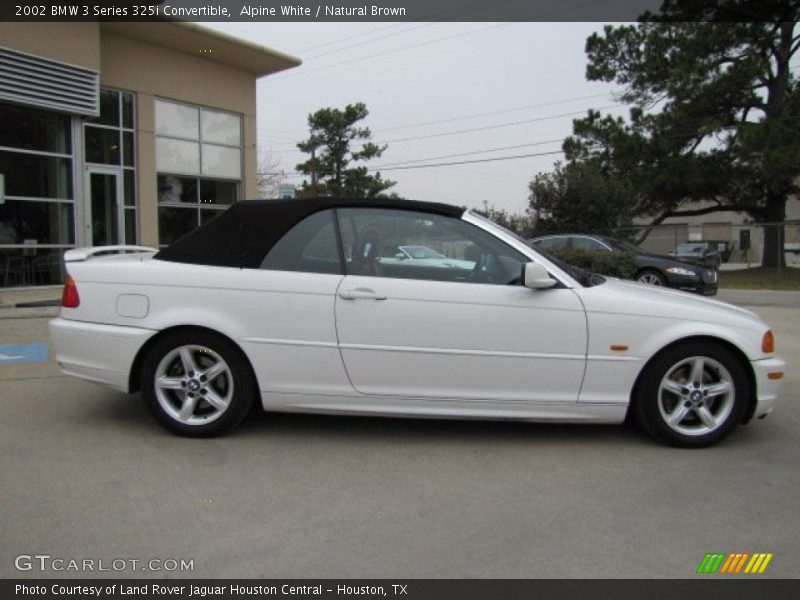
654	269
704	253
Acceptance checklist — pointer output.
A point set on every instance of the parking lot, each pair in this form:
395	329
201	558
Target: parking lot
87	474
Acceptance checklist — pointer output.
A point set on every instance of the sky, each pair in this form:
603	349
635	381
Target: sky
434	90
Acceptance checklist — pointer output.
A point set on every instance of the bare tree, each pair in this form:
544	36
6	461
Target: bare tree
269	175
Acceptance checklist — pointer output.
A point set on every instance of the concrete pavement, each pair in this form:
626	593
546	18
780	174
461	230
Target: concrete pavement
88	474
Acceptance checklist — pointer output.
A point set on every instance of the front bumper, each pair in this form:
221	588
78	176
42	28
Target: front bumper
100	353
766	388
705	283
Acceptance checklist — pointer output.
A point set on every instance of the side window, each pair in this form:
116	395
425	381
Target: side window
588	244
412	245
548	244
310	247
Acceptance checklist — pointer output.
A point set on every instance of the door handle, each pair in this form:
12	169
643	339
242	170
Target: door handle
361	294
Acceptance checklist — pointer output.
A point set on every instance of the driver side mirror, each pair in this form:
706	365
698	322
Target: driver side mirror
536	277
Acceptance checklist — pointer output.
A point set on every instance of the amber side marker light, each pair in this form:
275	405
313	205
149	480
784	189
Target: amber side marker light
619	347
768	342
775	375
70	297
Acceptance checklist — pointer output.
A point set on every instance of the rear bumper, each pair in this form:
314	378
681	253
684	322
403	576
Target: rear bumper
766	388
100	353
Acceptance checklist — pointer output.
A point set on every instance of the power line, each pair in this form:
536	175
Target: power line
483	160
489	127
408	165
497	126
370	41
449	13
542	143
281	77
466	162
492	113
349	37
461	118
431	19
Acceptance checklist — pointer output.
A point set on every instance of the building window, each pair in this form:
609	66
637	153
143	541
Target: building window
37	219
187	202
109	140
199	164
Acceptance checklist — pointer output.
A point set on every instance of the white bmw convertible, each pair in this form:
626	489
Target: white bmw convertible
288	303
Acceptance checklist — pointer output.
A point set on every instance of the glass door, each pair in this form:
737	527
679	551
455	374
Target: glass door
103	207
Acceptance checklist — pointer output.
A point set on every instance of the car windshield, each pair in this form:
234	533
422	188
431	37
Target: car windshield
585	278
624	246
421	252
516	236
686	248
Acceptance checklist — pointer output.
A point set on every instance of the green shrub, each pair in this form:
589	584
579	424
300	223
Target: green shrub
613	264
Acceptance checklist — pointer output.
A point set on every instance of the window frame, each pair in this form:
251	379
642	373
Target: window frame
421	214
337	240
335	214
200	175
200	141
126	168
196	205
29	251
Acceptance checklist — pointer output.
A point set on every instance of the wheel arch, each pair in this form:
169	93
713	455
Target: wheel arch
745	362
134	384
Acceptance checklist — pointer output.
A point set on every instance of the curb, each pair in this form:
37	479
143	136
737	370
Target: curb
29	312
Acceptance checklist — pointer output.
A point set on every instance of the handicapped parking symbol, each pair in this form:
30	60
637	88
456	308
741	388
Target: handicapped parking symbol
13	354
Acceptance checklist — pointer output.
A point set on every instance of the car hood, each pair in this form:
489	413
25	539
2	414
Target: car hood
666	259
632	298
707	260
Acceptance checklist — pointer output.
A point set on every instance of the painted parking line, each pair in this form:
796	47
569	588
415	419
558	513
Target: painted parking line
14	354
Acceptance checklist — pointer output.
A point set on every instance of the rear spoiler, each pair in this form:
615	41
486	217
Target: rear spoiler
80	254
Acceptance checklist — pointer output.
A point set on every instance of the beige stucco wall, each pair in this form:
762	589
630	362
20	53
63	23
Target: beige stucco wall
74	43
724	225
152	71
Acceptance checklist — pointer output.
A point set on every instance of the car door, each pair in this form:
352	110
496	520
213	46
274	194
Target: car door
464	331
289	312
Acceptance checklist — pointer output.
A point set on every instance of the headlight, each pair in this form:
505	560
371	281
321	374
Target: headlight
681	271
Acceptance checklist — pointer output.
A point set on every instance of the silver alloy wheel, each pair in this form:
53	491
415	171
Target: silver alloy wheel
650	279
194	385
696	396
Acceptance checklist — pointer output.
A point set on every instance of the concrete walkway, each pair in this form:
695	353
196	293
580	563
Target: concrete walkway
22	303
789	299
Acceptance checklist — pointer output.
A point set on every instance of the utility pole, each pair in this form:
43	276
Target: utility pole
314	170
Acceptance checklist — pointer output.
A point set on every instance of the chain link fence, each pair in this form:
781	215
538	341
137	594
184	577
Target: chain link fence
740	246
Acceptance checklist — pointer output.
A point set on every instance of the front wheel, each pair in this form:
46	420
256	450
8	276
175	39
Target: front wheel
197	383
651	277
692	395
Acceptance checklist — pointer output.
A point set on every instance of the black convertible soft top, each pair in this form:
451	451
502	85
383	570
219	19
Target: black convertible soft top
242	235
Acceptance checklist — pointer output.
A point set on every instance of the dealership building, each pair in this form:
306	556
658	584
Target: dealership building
120	133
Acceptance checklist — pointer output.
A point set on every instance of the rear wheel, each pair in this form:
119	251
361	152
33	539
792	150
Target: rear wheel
692	395
197	383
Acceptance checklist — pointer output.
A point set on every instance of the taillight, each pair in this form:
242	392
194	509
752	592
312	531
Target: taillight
69	297
768	343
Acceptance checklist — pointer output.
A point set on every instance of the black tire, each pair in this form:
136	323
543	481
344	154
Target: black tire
187	402
651	277
667	390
